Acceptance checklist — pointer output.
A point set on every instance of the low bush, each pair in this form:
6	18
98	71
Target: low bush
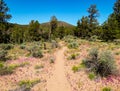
9	69
6	46
24	64
93	38
22	46
39	66
73	56
4	70
106	64
75	68
54	44
3	54
91	76
102	63
37	54
106	89
73	45
29	83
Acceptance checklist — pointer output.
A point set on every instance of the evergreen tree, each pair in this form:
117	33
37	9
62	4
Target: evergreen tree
17	34
93	14
116	9
4	26
82	27
53	25
33	32
3	12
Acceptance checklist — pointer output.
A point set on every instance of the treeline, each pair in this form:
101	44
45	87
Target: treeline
87	27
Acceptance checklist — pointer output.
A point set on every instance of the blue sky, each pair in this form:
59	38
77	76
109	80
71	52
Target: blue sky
23	11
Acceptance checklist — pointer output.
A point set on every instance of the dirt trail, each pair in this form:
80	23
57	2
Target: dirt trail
58	81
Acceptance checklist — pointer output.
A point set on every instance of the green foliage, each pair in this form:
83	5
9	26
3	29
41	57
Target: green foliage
117	41
4	70
93	38
106	64
13	66
33	33
1	65
17	34
39	66
37	54
91	76
3	54
9	69
82	27
73	45
54	44
73	56
93	14
23	64
22	46
61	32
3	12
106	89
111	28
117	53
116	9
53	26
75	68
101	63
29	83
6	46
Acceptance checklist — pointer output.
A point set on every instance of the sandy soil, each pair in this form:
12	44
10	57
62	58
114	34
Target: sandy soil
58	81
59	76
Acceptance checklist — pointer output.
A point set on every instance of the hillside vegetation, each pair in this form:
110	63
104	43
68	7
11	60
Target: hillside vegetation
58	56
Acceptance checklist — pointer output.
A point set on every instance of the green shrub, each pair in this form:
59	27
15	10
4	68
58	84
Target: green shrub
1	65
93	38
73	45
91	61
22	46
24	64
54	44
117	41
6	46
13	66
106	64
29	83
37	53
117	53
73	56
91	76
106	89
39	66
3	54
9	69
75	68
6	70
102	63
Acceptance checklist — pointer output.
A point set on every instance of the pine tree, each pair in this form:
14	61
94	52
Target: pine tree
93	14
3	12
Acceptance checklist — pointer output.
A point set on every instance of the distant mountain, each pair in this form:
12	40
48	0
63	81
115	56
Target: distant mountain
60	23
47	25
